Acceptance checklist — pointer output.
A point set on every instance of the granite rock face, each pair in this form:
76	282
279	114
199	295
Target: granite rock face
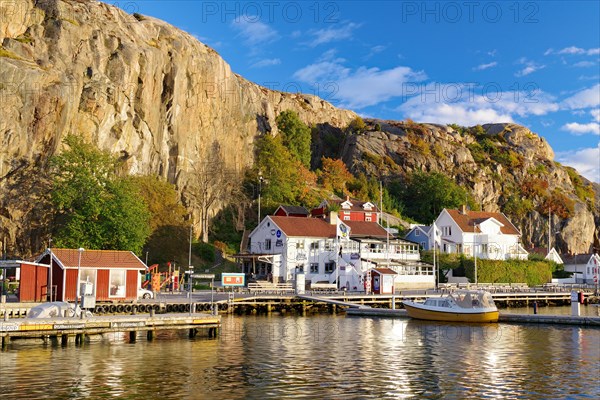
135	86
400	148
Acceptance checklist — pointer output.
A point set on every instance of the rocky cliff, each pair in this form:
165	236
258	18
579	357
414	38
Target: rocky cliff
135	86
160	99
506	167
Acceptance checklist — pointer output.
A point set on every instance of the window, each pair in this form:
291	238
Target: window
314	268
484	248
88	275
368	219
328	245
267	244
417	233
314	245
447	231
300	268
346	218
329	267
117	283
423	244
300	244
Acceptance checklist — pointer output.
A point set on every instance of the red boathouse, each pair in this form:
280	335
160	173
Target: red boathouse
113	275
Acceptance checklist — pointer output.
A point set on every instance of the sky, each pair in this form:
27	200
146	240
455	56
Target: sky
535	63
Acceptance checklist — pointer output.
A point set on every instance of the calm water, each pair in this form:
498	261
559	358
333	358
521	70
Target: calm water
316	357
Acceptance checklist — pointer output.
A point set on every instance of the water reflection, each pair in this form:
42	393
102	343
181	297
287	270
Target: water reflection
320	356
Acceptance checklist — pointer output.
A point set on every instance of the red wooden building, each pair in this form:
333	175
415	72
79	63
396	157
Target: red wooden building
349	210
291	211
114	275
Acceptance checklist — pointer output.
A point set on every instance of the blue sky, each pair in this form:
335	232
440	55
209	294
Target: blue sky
536	63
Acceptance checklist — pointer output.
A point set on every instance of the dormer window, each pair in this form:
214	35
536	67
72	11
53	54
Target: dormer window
368	206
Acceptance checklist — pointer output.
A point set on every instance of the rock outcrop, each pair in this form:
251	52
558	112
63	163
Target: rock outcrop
516	162
134	85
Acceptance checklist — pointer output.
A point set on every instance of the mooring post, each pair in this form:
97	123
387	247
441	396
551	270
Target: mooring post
132	336
5	342
64	339
150	335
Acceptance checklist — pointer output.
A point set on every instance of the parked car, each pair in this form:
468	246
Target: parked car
145	294
57	309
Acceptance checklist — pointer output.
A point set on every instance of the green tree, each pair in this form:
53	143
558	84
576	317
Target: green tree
357	125
94	208
334	175
424	195
287	181
296	136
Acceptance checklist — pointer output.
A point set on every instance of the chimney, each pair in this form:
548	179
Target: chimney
333	217
463	209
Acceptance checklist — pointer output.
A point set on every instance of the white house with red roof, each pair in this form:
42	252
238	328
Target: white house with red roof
280	247
488	235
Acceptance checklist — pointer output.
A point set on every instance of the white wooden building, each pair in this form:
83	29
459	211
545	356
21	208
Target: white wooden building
488	235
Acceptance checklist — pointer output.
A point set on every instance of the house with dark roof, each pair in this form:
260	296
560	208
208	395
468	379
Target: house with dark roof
108	275
419	234
325	251
483	234
291	211
586	267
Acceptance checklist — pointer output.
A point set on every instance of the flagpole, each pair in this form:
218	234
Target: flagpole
435	271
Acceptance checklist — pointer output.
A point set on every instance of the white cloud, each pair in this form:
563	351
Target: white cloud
322	36
482	67
581	129
253	31
585	98
589	78
439	103
492	53
596	114
462	114
358	88
584	64
530	67
573	50
267	62
374	50
586	161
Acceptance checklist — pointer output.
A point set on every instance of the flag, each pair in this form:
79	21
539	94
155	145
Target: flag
437	235
343	231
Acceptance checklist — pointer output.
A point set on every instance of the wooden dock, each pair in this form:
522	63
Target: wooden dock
62	329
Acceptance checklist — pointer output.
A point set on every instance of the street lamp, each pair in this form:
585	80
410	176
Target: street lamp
80	250
260	181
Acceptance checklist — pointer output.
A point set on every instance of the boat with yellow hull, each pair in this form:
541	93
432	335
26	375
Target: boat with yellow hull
458	306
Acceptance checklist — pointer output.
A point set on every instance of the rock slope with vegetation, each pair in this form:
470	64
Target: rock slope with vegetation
165	105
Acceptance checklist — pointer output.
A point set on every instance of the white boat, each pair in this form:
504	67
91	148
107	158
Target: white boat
458	306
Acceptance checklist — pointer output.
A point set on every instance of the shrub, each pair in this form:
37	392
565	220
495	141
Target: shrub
558	204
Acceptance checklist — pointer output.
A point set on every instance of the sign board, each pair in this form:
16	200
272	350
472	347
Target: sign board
69	326
233	279
203	276
10	327
132	324
278	233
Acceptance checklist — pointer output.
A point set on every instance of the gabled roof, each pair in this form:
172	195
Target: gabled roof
366	229
357	205
98	259
385	271
571	259
293	210
467	221
423	228
304	227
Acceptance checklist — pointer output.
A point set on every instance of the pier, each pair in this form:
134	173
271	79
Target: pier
63	330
